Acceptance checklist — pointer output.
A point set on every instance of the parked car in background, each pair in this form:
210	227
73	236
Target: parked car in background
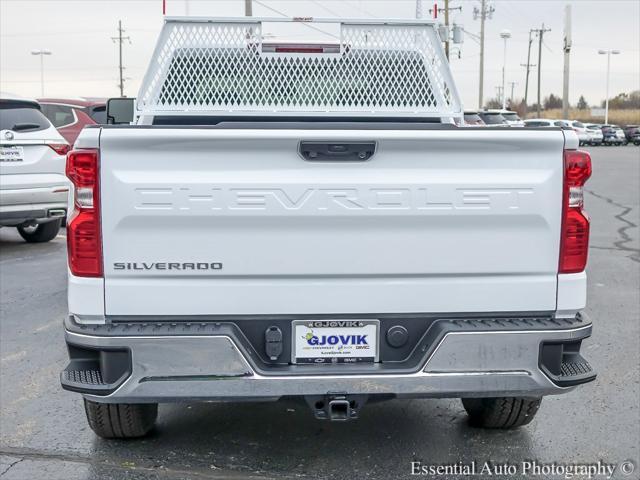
70	116
510	116
595	133
581	130
33	186
632	132
634	136
540	122
613	135
620	134
472	119
493	118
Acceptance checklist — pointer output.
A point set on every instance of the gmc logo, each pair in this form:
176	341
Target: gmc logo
330	199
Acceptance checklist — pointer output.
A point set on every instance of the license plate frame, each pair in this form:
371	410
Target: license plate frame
334	327
16	157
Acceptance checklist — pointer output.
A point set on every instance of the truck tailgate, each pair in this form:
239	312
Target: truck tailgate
209	221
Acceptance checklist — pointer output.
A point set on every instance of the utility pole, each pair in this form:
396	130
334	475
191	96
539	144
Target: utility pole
446	24
540	32
484	13
248	8
528	65
513	84
567	51
120	39
434	11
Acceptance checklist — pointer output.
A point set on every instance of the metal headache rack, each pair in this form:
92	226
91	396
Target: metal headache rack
227	66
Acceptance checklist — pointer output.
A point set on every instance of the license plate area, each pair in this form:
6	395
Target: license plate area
11	154
335	341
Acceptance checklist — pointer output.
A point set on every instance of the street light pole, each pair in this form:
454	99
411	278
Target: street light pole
41	53
505	35
608	53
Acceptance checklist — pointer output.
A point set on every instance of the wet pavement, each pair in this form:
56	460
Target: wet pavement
44	434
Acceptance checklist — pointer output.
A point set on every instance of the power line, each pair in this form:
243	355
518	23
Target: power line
120	39
326	9
285	15
359	7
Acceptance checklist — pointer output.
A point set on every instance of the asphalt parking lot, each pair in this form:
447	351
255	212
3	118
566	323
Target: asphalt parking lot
44	434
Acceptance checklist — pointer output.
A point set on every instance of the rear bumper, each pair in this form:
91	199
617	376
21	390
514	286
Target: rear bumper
18	205
166	363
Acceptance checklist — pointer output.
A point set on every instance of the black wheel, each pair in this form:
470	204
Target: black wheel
43	232
121	420
502	412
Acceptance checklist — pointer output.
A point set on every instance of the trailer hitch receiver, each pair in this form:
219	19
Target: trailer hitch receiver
336	406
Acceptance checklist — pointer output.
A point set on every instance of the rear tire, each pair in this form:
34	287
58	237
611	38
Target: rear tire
501	412
121	420
44	232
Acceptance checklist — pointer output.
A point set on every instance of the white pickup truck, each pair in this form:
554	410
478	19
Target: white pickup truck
306	220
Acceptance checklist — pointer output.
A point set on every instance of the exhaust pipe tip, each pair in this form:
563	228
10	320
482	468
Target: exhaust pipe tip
57	213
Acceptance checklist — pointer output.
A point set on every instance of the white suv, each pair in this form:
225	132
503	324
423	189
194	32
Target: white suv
33	187
581	130
510	116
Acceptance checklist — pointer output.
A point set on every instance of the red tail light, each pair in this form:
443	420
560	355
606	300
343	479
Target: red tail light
84	239
574	241
60	148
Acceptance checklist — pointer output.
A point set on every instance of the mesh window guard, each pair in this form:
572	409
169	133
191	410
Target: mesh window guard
225	66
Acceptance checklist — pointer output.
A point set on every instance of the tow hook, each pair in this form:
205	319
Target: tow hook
335	406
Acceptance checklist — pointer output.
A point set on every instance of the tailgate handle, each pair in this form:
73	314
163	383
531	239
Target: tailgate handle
336	151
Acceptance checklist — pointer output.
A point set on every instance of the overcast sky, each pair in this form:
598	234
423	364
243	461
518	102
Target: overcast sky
84	60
